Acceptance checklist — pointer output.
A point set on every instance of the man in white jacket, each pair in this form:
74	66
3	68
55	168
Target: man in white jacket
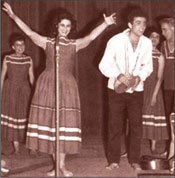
127	62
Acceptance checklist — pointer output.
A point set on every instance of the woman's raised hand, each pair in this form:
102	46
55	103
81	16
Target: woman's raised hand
110	19
7	8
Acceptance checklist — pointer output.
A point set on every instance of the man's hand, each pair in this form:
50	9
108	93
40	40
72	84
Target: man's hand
137	81
123	79
126	82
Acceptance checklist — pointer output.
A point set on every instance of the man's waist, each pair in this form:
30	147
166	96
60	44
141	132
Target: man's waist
138	88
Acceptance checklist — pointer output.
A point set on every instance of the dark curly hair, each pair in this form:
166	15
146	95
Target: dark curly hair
138	12
16	37
55	17
149	30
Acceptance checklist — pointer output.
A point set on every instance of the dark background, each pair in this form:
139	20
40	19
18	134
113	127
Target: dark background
92	85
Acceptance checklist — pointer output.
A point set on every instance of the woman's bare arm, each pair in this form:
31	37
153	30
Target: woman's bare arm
31	73
161	64
35	37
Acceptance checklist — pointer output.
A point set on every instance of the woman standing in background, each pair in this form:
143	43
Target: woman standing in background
16	77
154	120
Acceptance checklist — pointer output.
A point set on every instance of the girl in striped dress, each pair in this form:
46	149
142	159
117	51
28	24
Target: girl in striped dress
16	77
41	134
154	120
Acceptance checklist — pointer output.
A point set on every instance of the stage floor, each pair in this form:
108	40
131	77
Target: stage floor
90	162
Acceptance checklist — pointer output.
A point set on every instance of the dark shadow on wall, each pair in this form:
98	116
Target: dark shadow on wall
91	25
86	67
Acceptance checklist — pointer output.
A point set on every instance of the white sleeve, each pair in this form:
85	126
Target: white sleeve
147	64
108	66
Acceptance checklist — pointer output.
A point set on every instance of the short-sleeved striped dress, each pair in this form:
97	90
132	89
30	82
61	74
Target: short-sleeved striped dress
169	79
41	134
15	99
154	120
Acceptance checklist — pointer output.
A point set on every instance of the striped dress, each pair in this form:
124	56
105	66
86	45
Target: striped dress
169	79
41	134
154	120
15	99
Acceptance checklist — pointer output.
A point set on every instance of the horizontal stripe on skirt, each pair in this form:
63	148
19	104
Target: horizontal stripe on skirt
43	132
13	122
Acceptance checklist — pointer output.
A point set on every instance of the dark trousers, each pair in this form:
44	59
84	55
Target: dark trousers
119	104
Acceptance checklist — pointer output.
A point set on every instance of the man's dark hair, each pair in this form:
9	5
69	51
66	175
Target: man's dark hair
16	37
136	13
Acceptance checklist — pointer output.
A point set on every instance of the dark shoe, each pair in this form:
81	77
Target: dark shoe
136	166
112	166
124	155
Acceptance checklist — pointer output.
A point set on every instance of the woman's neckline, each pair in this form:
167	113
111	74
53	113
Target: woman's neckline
168	46
17	56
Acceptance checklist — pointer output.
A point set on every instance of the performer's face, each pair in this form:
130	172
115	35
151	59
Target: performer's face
155	38
167	31
138	26
19	47
64	27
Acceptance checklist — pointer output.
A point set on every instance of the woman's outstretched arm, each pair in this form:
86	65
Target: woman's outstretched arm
83	42
31	73
35	37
